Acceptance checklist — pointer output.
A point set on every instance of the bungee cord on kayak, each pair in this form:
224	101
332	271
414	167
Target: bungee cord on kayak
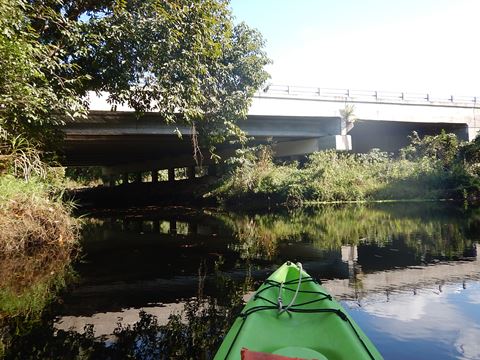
281	309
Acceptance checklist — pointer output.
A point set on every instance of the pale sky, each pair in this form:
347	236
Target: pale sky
400	45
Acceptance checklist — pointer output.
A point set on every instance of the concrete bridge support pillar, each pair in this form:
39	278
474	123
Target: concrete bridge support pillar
155	176
125	178
125	225
473	132
193	229
191	172
173	227
138	177
111	181
171	175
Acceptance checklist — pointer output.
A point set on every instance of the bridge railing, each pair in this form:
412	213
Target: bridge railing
367	95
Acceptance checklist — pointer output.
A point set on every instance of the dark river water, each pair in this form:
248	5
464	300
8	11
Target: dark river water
408	273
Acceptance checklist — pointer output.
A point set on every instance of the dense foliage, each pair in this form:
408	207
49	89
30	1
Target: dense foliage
183	59
35	93
435	167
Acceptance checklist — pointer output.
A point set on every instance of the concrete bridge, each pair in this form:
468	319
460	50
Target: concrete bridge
298	120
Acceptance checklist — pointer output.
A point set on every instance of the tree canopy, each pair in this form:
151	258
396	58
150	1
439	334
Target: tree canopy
184	59
34	93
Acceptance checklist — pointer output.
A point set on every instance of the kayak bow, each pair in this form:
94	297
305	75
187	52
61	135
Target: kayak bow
293	315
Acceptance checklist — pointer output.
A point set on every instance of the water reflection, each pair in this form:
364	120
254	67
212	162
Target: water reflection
441	316
28	284
195	333
394	265
134	257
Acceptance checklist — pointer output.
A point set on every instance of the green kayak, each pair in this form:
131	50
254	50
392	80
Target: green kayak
293	315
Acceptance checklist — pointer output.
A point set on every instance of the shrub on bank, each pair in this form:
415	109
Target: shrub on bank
431	168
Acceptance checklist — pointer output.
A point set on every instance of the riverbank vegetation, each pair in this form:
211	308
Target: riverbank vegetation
33	217
38	235
53	54
38	238
430	168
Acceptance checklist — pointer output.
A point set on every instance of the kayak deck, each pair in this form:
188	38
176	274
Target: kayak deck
293	315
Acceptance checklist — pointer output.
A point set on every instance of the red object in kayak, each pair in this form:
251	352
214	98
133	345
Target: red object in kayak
254	355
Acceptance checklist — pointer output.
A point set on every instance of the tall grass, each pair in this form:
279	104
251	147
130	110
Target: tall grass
430	168
32	218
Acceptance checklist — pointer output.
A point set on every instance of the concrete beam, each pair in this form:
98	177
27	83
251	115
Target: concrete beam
107	123
427	111
308	146
291	127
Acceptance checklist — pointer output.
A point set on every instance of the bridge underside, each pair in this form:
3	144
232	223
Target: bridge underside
391	136
120	154
121	143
